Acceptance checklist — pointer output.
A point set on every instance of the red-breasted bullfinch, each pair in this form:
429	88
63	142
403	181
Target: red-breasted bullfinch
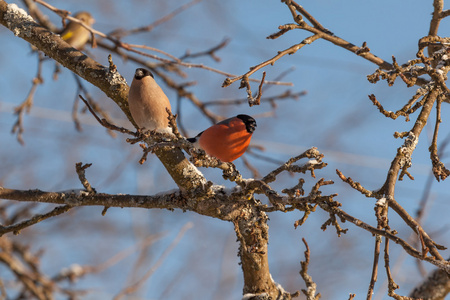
228	139
148	102
75	34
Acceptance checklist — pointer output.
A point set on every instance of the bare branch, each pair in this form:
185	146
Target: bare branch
26	105
290	50
80	168
16	228
311	286
374	276
439	170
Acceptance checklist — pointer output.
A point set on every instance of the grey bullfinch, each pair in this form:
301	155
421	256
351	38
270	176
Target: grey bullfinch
148	102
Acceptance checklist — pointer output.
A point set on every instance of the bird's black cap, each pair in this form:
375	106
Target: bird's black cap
250	123
141	73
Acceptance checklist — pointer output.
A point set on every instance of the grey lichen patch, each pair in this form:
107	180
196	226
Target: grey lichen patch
192	171
220	189
407	149
94	75
80	67
115	79
195	176
49	40
19	22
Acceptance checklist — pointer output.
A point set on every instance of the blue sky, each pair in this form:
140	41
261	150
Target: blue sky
335	115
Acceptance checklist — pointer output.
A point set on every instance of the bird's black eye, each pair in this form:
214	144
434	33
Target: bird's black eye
250	123
141	73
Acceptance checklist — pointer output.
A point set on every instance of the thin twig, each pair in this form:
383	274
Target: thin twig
26	105
290	50
105	123
311	286
80	168
16	228
374	276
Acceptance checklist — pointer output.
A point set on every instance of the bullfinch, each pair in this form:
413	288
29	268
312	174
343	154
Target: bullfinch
75	34
148	102
228	139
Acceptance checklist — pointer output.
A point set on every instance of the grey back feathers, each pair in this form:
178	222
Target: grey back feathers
195	139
